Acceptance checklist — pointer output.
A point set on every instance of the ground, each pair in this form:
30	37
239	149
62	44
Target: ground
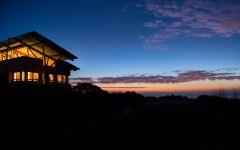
206	122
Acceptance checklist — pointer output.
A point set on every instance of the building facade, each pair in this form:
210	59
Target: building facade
34	59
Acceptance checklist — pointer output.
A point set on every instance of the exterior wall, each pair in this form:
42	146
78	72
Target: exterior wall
27	64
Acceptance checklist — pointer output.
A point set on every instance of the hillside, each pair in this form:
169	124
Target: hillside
206	122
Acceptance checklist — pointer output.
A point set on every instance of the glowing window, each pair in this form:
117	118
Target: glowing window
59	78
33	76
30	76
51	78
23	76
16	76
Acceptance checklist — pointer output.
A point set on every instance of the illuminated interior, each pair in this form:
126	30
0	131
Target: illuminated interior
17	76
30	47
20	76
33	76
24	51
64	78
61	78
51	78
34	45
23	76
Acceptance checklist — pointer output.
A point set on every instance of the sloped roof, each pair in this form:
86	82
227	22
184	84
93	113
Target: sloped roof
71	66
34	37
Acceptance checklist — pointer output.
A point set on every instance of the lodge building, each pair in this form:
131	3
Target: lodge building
34	59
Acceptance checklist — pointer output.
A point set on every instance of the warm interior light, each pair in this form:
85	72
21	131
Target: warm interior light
33	76
24	51
29	76
23	76
16	76
51	78
59	78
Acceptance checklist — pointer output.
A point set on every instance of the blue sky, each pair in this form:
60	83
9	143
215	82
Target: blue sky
133	38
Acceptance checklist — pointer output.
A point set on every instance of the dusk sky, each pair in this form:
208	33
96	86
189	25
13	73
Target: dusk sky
144	46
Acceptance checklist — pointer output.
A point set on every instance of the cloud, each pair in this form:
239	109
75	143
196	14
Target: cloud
198	18
153	25
74	81
181	76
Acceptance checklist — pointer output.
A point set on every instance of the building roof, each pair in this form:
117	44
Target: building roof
71	66
32	38
36	41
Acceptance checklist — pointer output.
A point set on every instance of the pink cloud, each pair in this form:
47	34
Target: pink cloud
197	18
181	76
176	24
153	25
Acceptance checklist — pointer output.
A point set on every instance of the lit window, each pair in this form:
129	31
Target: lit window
23	76
64	79
30	76
16	76
33	76
59	78
51	78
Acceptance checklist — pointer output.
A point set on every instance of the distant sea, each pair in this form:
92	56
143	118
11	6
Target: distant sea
227	94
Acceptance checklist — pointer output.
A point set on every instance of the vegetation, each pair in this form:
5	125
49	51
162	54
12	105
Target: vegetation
89	114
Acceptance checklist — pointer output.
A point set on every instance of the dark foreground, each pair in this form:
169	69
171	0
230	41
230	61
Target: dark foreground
51	119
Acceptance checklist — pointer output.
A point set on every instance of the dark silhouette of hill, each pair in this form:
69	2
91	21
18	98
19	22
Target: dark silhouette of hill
88	114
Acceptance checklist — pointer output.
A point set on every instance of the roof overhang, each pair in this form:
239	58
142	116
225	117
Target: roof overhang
71	66
34	39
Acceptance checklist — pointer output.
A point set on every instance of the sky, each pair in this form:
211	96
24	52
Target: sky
148	46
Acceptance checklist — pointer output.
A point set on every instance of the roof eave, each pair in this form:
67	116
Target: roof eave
52	44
